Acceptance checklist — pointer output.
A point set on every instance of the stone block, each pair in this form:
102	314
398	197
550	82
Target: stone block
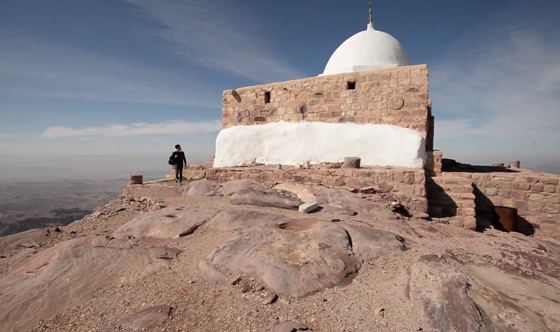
518	194
308	207
536	197
551	208
549	188
537	187
491	191
351	162
522	205
535	206
549	181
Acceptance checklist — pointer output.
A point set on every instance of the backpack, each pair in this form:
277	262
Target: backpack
172	160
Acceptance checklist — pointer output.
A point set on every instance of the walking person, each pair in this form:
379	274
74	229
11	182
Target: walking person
180	162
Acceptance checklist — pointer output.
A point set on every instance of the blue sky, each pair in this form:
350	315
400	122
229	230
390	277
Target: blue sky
135	77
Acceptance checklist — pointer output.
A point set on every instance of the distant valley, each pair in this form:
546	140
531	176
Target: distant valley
28	205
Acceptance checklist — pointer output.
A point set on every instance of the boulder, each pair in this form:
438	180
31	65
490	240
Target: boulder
295	258
238	219
266	198
148	318
167	223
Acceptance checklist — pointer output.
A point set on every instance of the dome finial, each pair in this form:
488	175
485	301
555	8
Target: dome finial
370	24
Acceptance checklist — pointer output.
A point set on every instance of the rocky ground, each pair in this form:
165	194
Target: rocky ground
241	257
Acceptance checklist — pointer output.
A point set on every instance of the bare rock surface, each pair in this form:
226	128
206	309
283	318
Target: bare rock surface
335	197
168	223
481	298
231	187
202	188
210	273
448	278
148	318
67	274
266	198
236	219
295	258
369	243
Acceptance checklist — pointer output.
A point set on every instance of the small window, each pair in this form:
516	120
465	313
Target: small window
267	97
350	85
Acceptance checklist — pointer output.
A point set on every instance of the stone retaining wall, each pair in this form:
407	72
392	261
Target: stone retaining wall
395	96
403	184
536	195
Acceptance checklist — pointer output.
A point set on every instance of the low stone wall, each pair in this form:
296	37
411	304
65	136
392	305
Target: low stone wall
405	185
194	171
536	195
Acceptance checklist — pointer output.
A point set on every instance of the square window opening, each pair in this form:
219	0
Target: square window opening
350	85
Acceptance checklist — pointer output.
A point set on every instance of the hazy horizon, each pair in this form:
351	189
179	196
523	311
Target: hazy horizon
21	168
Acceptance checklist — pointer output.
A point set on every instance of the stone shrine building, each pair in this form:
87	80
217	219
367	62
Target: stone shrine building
371	103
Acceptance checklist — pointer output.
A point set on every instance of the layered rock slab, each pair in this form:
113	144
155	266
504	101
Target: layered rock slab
53	279
167	223
239	219
266	198
294	258
370	243
457	297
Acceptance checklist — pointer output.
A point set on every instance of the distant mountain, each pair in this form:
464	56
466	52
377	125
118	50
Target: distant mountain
553	168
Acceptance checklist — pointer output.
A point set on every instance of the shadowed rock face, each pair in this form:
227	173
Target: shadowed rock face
295	258
53	280
167	223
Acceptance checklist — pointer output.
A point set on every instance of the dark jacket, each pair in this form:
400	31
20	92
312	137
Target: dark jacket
179	157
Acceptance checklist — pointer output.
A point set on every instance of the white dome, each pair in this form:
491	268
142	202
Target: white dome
366	50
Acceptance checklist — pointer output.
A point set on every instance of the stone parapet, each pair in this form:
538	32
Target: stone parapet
400	184
394	96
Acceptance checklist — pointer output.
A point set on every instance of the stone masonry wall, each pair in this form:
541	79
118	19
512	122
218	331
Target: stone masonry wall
403	184
536	195
395	96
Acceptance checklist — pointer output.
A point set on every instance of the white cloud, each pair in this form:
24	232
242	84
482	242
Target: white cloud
136	129
221	36
499	83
